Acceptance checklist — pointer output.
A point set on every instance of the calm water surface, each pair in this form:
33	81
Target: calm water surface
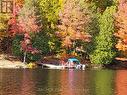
62	82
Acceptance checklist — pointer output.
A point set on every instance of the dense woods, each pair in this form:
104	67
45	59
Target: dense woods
92	30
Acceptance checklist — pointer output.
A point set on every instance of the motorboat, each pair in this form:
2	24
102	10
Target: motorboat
72	63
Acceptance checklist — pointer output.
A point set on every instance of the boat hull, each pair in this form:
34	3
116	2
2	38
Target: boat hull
61	66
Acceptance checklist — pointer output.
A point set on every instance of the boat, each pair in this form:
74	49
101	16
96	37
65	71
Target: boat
72	63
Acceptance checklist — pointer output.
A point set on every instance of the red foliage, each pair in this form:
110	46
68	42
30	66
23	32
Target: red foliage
26	45
13	28
23	22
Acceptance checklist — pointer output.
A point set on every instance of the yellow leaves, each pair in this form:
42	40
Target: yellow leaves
74	53
3	25
19	2
32	65
61	2
3	21
52	45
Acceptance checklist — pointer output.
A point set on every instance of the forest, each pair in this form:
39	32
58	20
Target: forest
94	30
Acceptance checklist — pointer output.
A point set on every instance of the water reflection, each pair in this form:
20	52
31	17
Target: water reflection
121	82
27	83
53	83
102	82
74	83
9	83
62	82
13	82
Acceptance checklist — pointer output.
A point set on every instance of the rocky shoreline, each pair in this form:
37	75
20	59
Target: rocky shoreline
4	63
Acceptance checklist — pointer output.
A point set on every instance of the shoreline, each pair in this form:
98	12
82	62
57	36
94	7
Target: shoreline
11	64
5	63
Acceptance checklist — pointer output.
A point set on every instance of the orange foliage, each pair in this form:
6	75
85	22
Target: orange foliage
73	20
19	2
121	23
65	56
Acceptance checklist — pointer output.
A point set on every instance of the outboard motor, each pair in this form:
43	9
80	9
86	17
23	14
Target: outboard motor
78	66
83	66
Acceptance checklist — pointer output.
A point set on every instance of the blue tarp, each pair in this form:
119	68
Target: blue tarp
73	59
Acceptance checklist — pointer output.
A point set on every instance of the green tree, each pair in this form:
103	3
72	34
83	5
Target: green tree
103	4
40	42
49	11
16	45
104	42
49	15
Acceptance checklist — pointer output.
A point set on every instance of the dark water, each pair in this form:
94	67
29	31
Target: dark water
63	82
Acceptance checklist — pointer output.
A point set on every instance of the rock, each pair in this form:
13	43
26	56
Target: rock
11	64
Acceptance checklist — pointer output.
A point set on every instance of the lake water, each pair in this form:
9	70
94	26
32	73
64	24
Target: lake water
62	82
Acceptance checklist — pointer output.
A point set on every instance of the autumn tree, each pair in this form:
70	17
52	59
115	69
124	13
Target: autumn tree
71	30
3	27
49	11
8	25
121	24
25	25
3	24
49	15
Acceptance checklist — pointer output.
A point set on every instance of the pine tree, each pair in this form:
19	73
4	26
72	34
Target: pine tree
104	42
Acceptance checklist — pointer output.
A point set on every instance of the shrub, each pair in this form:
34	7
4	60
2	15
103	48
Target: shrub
16	45
40	41
33	57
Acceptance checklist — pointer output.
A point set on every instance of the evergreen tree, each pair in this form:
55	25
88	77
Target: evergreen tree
104	51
